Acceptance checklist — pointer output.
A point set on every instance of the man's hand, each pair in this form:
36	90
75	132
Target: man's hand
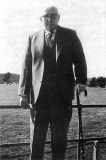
80	88
24	102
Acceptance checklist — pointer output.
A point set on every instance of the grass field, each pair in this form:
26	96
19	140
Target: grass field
14	123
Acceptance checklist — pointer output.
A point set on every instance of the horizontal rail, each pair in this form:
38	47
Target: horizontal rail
46	152
85	140
14	156
74	106
48	142
10	107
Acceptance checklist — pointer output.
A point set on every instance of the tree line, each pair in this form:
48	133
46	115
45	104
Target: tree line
8	78
94	82
97	82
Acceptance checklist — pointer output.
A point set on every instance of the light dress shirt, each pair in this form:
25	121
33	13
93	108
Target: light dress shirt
53	37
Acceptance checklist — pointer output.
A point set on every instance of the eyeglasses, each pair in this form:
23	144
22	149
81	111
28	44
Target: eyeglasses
52	16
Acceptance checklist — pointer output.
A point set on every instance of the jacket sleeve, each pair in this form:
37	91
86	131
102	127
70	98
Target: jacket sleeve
80	66
25	81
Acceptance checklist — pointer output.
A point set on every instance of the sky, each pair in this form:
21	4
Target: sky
20	18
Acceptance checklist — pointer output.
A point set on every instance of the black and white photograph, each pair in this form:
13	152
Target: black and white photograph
52	80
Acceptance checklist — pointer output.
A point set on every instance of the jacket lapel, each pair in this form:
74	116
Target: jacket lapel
59	41
58	49
40	41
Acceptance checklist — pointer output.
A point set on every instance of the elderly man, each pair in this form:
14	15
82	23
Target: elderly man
47	83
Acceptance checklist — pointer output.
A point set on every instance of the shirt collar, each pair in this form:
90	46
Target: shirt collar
53	34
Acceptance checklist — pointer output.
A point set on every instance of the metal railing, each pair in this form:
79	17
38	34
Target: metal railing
93	140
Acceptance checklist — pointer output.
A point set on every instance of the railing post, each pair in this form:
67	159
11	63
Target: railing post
95	150
78	151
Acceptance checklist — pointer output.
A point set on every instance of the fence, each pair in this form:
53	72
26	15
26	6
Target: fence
87	141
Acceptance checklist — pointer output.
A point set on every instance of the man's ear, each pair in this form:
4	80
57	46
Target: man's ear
40	19
58	17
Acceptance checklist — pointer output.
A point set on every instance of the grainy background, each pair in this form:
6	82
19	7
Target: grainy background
14	123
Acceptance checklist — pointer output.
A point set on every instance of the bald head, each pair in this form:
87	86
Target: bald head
50	18
51	9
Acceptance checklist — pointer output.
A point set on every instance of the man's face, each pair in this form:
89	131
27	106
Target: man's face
50	18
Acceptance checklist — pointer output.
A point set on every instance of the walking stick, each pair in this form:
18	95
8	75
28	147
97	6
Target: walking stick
80	133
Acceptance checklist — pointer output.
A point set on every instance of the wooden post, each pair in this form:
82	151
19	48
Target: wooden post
95	150
78	151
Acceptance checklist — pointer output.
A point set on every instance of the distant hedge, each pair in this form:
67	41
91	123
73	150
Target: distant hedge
98	82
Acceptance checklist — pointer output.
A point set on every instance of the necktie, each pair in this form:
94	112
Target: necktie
49	39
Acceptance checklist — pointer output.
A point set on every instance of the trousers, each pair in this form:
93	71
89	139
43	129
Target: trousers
50	109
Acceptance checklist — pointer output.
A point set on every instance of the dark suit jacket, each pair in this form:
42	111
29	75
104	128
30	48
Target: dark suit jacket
69	51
